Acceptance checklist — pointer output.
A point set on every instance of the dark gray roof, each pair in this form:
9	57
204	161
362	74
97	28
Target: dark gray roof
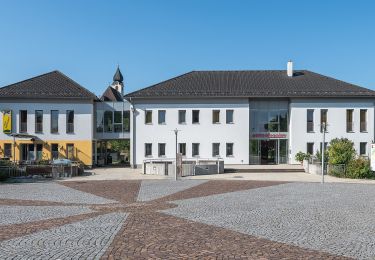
118	75
249	83
111	94
50	85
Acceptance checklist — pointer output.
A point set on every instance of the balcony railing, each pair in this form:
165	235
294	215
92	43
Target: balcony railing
363	126
349	127
23	127
38	127
310	126
70	128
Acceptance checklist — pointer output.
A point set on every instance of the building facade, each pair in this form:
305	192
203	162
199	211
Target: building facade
241	117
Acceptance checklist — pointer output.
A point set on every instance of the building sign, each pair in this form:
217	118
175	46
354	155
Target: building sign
270	135
7	121
372	157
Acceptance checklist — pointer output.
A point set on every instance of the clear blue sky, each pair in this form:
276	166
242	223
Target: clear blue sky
156	40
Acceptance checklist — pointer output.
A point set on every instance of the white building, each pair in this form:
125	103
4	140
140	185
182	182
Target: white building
248	117
242	117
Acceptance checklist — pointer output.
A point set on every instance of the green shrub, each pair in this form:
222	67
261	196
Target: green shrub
359	168
341	151
318	156
300	156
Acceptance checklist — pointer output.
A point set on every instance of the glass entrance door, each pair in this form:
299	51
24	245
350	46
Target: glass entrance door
268	151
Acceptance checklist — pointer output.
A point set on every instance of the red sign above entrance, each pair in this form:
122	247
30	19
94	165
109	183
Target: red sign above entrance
269	135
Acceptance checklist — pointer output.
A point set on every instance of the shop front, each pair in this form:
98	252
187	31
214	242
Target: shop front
269	149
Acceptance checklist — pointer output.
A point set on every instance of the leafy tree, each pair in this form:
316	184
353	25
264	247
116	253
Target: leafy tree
119	145
341	151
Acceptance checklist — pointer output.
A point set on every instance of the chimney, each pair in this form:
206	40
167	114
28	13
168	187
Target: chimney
289	69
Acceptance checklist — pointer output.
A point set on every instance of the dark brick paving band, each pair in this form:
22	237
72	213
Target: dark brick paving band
149	234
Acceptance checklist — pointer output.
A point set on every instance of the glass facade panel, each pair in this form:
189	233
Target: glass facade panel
99	121
126	121
108	121
268	120
254	152
118	121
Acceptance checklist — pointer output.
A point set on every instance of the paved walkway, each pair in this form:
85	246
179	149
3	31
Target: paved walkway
135	174
163	219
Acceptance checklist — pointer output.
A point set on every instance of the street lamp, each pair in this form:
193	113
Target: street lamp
175	174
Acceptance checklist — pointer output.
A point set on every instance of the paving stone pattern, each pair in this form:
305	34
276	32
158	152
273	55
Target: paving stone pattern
86	239
49	192
21	214
154	189
335	218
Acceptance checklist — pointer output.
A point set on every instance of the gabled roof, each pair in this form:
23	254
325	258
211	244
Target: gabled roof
50	85
252	83
111	94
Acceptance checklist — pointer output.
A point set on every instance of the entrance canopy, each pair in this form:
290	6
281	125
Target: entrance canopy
24	136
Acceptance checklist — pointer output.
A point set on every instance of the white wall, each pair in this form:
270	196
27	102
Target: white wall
83	119
299	137
204	133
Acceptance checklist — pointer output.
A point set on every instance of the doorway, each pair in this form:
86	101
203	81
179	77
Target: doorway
268	151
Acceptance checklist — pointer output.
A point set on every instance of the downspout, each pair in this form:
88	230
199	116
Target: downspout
132	139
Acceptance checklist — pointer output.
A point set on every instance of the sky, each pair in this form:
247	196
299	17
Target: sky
155	40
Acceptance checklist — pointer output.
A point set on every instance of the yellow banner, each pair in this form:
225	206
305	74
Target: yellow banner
7	121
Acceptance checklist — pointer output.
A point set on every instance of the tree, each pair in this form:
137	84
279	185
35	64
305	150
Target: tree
119	145
341	151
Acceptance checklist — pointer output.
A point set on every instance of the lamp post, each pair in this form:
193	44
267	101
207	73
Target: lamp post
176	134
323	148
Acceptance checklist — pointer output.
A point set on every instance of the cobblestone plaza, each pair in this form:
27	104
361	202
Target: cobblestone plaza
163	219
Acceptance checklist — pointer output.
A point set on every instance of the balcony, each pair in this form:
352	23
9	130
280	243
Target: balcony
38	127
349	127
70	128
363	126
23	127
310	127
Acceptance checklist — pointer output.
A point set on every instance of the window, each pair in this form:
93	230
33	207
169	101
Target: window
54	121
23	121
117	121
362	148
262	120
161	149
182	148
99	121
108	121
38	121
195	150
54	151
216	116
195	118
39	152
126	121
323	119
70	151
229	149
349	120
7	150
148	149
148	117
229	116
161	117
310	120
70	121
215	149
310	148
181	116
363	120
